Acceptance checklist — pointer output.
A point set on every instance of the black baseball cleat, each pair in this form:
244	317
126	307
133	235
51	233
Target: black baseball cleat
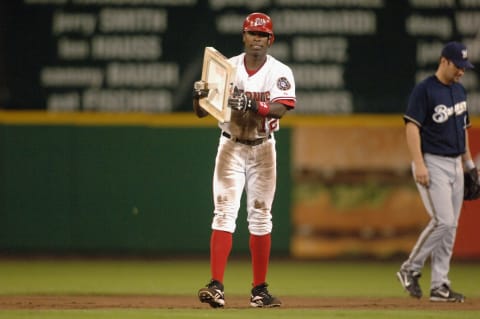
445	294
212	294
262	298
409	281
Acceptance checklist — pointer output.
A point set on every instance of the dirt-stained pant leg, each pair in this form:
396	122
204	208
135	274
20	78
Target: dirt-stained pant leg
261	184
228	184
240	167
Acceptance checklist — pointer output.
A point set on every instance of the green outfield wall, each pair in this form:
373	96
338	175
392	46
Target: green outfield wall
141	184
134	184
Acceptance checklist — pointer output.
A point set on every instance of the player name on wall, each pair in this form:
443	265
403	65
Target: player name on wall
109	57
348	56
435	22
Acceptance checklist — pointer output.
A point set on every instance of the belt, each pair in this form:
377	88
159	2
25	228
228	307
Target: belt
447	155
254	142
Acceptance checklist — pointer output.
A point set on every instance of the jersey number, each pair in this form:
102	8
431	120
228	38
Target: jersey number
269	125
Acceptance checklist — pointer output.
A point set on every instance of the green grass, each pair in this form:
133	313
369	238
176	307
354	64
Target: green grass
287	278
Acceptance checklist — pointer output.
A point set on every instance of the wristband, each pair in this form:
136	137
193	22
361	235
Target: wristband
263	108
469	164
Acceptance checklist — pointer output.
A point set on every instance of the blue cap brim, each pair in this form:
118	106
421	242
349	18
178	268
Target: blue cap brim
464	64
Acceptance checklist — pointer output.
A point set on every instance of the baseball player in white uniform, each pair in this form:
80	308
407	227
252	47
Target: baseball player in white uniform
264	90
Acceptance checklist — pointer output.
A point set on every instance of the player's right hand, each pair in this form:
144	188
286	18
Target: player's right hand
200	90
422	176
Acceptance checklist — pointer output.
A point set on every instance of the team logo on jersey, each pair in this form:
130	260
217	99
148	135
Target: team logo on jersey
283	84
442	112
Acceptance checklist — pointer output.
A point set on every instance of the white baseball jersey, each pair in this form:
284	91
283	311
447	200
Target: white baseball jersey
273	82
241	167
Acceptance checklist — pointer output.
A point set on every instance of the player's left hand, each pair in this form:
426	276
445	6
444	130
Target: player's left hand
241	102
471	184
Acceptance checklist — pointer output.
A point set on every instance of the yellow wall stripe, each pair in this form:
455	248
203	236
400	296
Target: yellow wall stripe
189	119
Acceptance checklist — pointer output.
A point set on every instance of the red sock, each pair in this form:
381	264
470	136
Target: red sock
220	247
260	251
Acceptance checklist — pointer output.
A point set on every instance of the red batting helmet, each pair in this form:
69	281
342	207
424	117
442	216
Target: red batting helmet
259	22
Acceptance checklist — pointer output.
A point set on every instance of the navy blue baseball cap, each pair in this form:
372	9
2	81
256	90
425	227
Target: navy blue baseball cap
457	53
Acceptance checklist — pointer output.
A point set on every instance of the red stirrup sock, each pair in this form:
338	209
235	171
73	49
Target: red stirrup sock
260	251
220	247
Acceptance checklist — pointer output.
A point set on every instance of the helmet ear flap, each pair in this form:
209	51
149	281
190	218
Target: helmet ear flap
271	39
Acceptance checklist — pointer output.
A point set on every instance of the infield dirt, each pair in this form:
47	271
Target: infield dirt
191	302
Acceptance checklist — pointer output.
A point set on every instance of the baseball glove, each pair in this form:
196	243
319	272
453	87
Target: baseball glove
471	189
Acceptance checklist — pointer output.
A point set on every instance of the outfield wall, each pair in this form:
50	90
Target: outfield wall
116	184
141	184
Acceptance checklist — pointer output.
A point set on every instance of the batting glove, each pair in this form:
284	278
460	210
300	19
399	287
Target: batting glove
200	90
241	102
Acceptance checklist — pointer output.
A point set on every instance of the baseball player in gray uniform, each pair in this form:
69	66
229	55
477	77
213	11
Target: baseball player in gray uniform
436	132
246	158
